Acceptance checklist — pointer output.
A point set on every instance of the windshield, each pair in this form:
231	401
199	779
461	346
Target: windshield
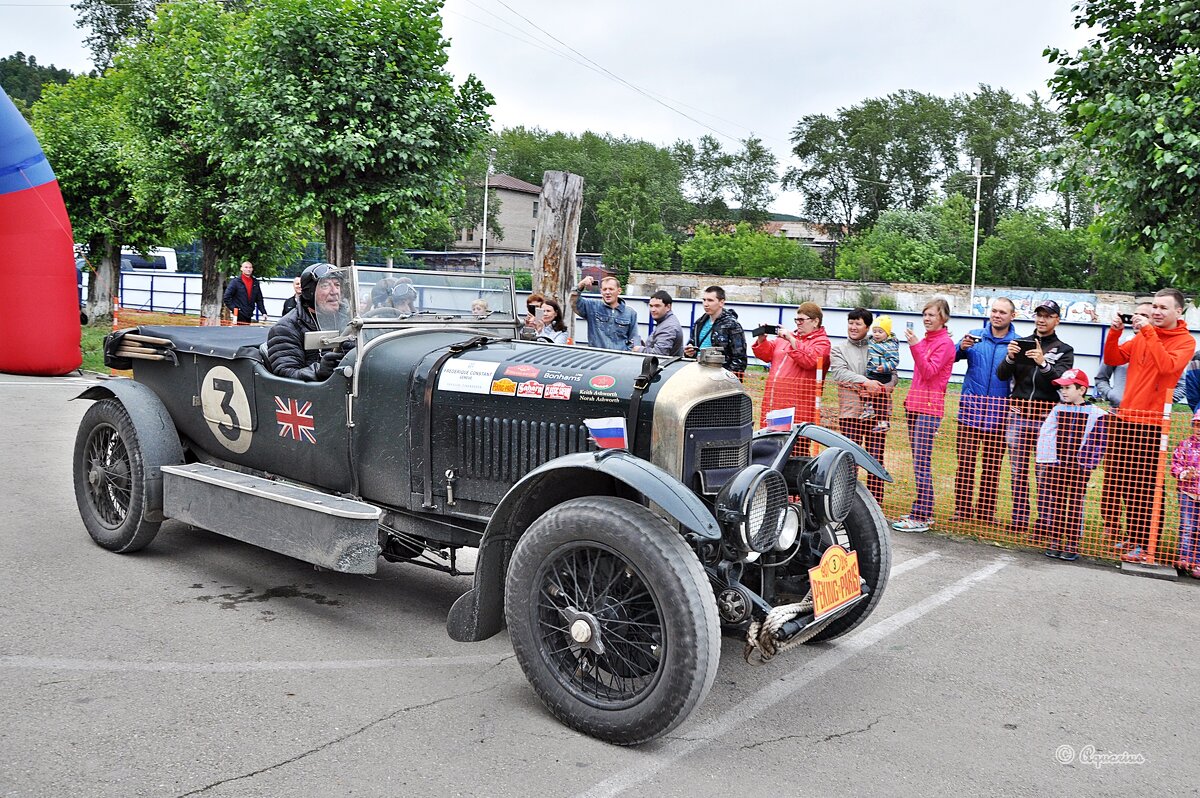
391	296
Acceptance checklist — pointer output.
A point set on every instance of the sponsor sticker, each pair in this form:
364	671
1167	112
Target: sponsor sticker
602	382
564	376
531	389
558	390
835	580
504	387
521	370
467	376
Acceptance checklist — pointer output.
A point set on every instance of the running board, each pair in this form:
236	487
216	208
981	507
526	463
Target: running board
320	528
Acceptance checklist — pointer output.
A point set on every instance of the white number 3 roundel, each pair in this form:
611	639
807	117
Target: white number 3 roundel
226	409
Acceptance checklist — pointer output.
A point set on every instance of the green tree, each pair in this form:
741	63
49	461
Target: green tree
705	170
1129	98
628	219
82	129
345	109
748	252
752	174
932	245
22	78
111	24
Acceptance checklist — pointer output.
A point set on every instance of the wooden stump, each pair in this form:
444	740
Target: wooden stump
560	209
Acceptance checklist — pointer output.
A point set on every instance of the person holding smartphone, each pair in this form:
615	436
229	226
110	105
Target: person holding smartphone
933	360
982	413
1032	363
798	359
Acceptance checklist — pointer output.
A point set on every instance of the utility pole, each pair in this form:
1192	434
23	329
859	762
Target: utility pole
979	176
486	179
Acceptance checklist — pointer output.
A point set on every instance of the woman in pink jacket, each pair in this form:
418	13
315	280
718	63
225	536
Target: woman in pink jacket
933	358
795	358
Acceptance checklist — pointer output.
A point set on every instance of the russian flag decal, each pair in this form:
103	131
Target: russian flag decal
608	433
781	419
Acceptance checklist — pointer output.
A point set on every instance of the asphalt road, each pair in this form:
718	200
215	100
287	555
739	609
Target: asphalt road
203	666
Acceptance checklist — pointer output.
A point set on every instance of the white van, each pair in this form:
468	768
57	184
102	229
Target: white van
161	258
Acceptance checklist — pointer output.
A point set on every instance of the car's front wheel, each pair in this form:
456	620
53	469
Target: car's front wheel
612	619
110	479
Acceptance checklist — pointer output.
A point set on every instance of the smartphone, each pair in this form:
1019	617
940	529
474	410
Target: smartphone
765	329
1127	318
973	339
908	324
1026	345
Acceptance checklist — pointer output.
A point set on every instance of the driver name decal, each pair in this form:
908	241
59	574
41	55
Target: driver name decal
295	420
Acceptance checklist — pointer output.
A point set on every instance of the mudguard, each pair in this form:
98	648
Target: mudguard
479	613
829	438
155	430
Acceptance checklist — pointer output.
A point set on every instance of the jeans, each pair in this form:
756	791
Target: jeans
1134	449
968	444
921	431
1189	514
1065	486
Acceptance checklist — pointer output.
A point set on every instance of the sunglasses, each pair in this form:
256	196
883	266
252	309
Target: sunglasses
803	318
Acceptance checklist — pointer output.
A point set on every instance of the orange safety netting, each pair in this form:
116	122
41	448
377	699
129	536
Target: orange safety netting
1072	480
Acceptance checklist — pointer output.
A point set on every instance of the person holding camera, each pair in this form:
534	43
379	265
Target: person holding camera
798	360
1032	364
982	413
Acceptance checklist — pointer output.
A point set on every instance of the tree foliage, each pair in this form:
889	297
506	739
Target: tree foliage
111	24
22	78
929	245
345	109
751	176
1129	98
748	252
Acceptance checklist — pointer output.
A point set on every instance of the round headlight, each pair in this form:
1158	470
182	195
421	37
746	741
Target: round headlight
791	529
752	507
828	482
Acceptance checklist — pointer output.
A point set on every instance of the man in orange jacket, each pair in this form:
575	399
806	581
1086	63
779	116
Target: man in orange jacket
1157	354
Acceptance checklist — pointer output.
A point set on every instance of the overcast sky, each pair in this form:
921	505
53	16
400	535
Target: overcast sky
730	69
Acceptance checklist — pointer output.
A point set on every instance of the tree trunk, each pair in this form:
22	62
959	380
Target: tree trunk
339	241
212	284
560	208
105	279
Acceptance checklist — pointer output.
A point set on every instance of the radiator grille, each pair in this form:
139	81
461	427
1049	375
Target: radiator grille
725	456
728	411
506	449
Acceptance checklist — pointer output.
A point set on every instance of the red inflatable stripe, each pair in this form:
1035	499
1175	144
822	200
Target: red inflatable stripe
39	312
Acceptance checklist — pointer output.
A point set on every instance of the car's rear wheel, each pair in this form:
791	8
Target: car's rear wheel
866	532
110	479
612	619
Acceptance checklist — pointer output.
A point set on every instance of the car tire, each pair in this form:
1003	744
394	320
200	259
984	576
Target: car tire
611	569
867	530
110	479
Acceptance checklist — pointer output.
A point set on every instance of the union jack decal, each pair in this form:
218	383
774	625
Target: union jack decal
295	420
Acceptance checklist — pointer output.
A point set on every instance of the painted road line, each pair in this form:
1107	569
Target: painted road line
101	665
675	750
915	562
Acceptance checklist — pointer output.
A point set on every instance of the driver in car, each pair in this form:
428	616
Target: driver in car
321	308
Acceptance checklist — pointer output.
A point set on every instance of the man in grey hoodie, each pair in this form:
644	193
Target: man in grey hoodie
848	369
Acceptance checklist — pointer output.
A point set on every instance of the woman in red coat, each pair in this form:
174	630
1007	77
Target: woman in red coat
798	361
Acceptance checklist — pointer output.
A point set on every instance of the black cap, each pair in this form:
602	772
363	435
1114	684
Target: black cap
1050	306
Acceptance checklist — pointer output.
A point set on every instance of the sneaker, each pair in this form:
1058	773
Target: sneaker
1069	556
868	412
1133	555
1122	545
910	524
1053	553
1196	572
882	426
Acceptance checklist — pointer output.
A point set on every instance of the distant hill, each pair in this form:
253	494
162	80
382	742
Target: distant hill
22	77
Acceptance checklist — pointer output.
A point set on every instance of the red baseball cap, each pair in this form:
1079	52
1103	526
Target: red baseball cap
1073	377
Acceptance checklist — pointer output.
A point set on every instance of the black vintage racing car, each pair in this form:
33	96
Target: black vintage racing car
616	569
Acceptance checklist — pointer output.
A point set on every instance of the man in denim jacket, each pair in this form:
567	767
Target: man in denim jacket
611	323
982	413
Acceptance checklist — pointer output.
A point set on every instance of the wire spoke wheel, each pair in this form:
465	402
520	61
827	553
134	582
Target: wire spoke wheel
612	619
610	603
108	475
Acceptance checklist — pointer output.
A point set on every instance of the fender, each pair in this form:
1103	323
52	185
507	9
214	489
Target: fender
479	613
827	437
155	430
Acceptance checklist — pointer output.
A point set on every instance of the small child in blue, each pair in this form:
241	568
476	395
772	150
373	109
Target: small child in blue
883	358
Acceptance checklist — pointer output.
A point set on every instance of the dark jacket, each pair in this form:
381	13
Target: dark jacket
236	299
667	338
984	402
727	335
289	304
1033	383
286	355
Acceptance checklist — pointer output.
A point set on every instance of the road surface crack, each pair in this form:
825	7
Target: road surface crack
824	739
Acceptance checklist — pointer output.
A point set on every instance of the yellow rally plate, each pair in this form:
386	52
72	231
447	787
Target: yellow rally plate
835	581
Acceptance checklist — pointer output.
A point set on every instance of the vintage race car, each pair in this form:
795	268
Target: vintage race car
615	567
